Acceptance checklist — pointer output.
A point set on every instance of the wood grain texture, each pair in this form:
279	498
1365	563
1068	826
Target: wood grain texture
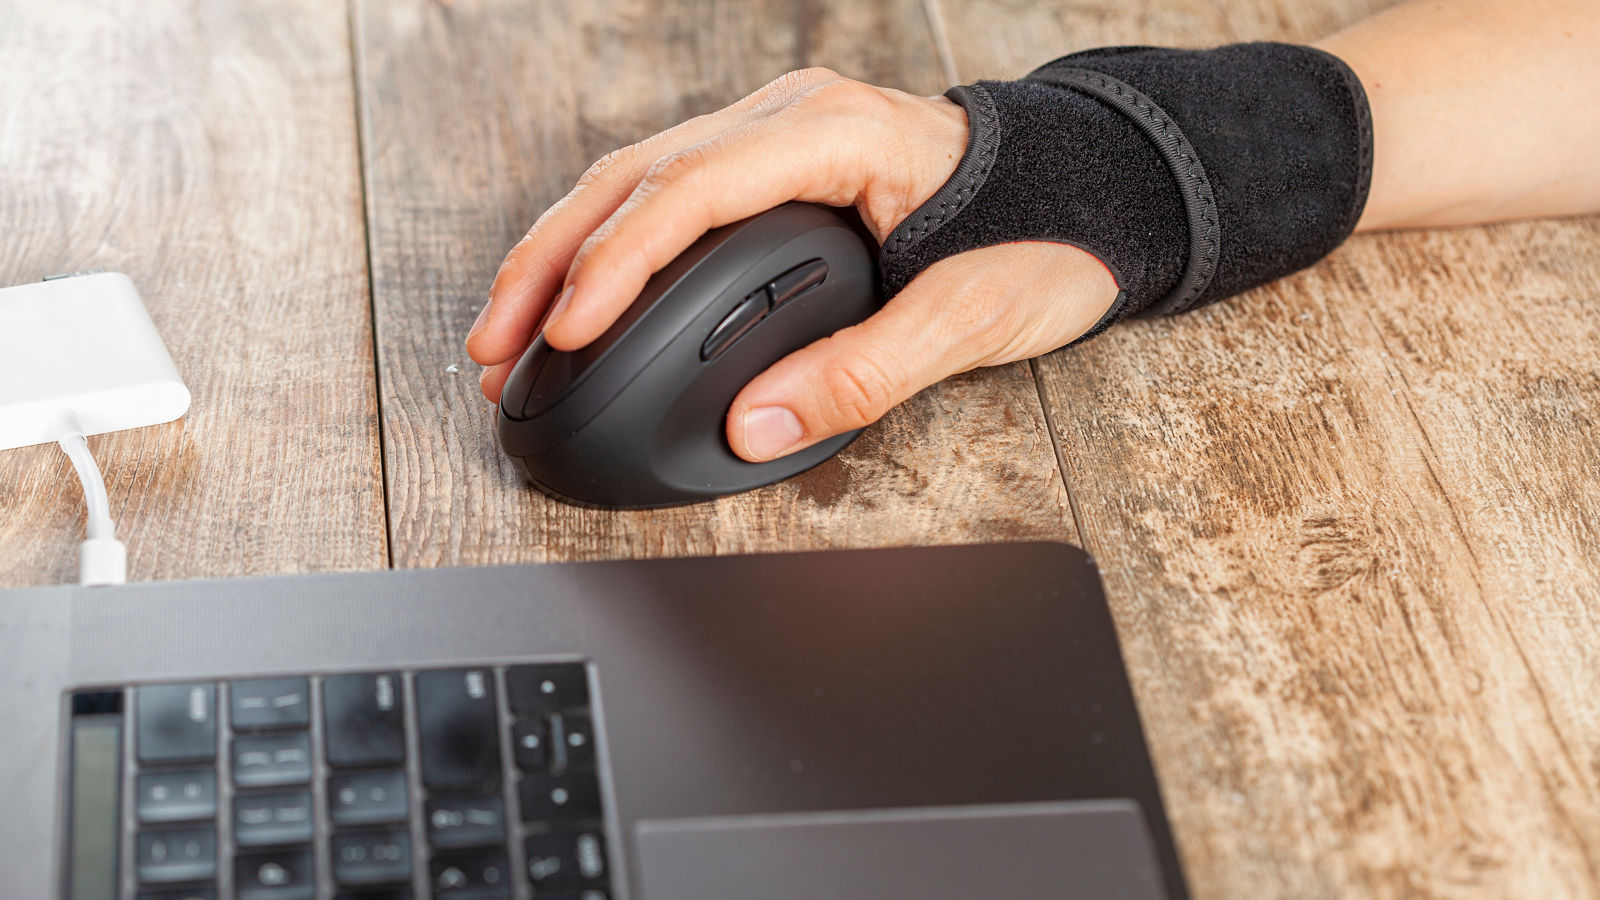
478	115
1348	523
209	151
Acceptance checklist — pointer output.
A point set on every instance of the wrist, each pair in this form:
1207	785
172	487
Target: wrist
1192	175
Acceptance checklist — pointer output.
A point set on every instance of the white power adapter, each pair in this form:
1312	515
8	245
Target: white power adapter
80	356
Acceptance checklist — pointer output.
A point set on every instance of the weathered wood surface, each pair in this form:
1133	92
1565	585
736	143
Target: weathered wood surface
1349	522
478	115
209	151
1350	526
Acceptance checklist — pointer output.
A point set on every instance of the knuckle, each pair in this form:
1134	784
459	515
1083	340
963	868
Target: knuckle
525	258
846	92
790	83
837	86
812	75
857	104
605	166
676	166
859	391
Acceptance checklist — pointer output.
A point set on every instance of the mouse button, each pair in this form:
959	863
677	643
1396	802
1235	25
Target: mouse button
517	394
564	371
555	377
752	309
601	367
797	281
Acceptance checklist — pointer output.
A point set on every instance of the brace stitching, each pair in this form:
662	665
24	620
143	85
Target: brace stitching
1363	134
983	145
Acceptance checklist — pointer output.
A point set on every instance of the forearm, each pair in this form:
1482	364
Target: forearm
1482	109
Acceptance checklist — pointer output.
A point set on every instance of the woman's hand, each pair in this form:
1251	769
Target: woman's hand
811	135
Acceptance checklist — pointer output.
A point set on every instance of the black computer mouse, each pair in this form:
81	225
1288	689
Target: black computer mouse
636	418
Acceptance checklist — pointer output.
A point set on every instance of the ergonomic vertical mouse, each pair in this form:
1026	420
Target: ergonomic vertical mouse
636	418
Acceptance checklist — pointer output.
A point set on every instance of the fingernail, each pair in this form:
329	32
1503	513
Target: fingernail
561	304
770	431
483	316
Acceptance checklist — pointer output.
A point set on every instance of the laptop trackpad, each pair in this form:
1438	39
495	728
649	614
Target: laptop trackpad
1073	849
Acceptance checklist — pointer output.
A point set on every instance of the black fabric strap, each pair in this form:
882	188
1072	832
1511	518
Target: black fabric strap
1205	234
1192	174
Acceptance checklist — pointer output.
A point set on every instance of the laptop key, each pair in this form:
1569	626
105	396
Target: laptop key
177	722
547	687
264	820
383	893
272	760
474	876
556	798
189	893
183	854
564	859
528	744
458	729
475	822
277	875
364	718
270	703
572	740
376	857
584	894
176	796
367	798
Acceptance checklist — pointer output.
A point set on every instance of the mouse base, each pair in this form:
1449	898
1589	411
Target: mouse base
528	477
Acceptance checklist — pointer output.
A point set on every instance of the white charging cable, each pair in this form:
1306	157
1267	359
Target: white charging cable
103	559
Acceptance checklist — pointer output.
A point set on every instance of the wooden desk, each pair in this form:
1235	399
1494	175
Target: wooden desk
1349	523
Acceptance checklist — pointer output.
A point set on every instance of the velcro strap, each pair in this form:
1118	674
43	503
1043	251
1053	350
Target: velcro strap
1193	175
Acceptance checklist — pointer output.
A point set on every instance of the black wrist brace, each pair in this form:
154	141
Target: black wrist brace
1193	175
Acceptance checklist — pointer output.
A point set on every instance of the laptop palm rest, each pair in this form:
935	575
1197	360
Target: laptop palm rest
1075	849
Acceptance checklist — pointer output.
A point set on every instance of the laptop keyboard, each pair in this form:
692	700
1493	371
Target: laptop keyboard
456	784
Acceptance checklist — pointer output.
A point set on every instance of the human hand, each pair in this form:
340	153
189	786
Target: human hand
815	136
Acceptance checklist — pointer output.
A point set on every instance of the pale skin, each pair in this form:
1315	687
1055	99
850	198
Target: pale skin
1482	110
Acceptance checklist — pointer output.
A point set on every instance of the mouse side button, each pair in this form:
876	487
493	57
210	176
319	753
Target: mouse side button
797	281
751	309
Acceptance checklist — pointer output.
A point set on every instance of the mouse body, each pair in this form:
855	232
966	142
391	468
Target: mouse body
636	419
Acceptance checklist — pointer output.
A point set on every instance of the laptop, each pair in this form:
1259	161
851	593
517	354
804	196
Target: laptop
934	723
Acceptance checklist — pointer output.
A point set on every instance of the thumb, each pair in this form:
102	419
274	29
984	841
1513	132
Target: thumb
983	307
849	380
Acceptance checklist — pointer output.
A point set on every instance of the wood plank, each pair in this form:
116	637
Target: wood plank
210	153
1348	523
476	116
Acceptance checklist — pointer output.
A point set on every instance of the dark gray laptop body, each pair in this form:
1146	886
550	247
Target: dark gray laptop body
917	722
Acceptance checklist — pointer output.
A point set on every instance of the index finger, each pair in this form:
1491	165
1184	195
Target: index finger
533	271
748	170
